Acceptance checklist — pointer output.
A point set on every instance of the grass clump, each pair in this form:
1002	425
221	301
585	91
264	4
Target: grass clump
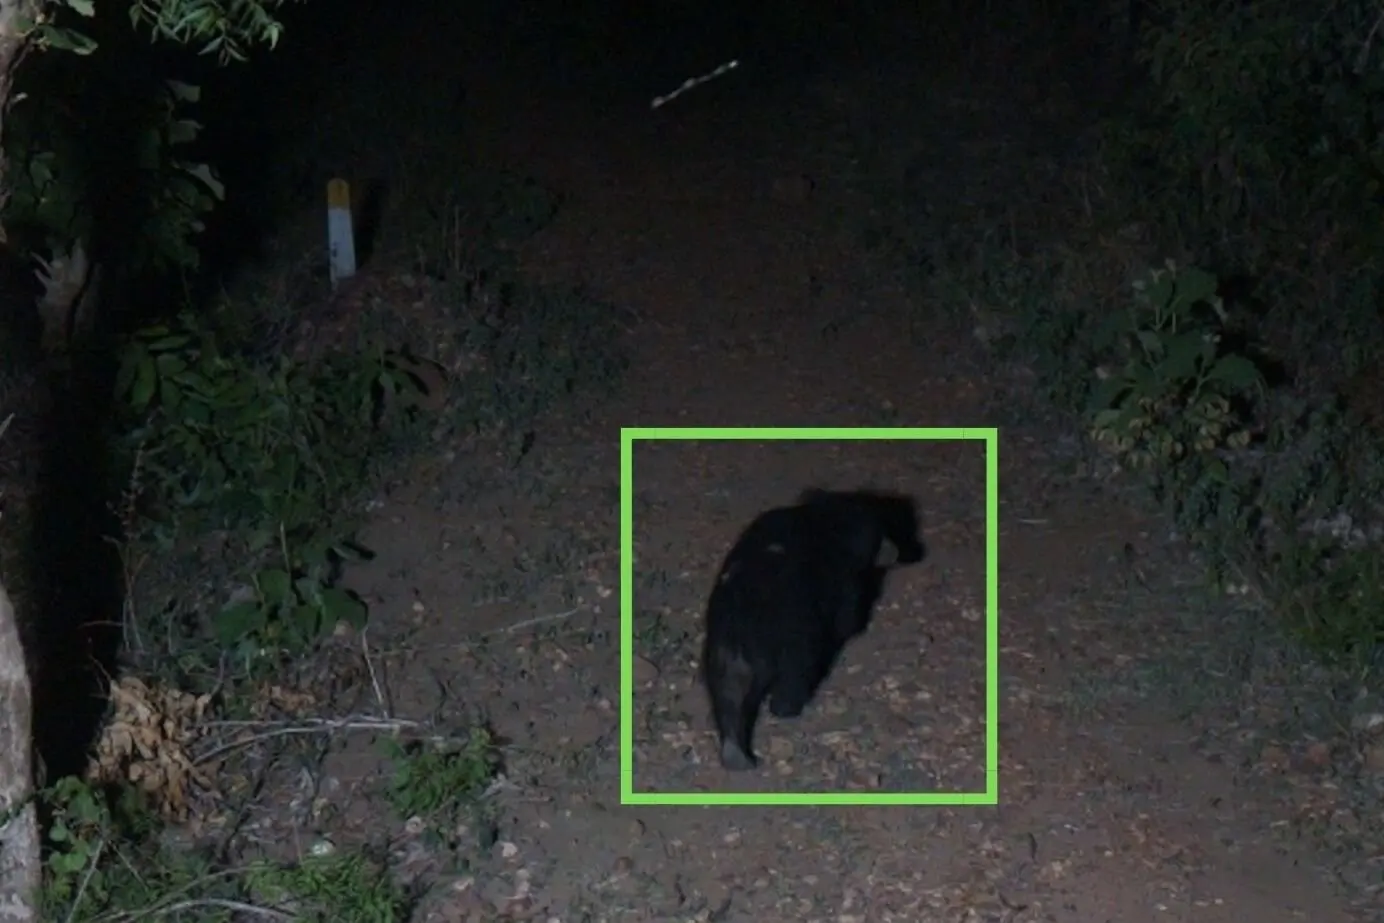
107	861
439	788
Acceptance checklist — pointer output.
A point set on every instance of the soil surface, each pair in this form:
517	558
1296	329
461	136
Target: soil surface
1135	782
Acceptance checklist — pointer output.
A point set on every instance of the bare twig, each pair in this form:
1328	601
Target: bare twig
692	82
1363	57
529	623
374	677
223	904
294	729
92	864
130	567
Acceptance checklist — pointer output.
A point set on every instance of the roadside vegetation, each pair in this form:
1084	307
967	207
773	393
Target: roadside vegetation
189	453
1196	282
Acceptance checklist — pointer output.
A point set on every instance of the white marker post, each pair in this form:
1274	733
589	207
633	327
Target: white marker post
341	239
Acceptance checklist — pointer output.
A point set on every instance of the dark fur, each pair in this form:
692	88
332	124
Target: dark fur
798	584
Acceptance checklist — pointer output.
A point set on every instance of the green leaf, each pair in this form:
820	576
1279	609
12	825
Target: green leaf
1186	352
85	8
41	171
196	413
1236	371
286	468
1107	419
1108	393
314	554
308	589
344	606
1145	381
191	381
1157	290
308	622
388	382
275	586
348	552
170	395
146	380
1193	286
260	539
170	364
184	92
183	131
1217	471
169	343
1151	342
239	621
208	179
65	39
129	368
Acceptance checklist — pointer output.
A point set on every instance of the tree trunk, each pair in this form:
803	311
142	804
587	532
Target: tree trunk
16	20
19	840
20	870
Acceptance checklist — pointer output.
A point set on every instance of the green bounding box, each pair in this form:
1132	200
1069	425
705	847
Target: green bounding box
629	436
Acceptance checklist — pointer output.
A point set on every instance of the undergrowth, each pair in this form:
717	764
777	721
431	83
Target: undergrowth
108	859
246	466
247	437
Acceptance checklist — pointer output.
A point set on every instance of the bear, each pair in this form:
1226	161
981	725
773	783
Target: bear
798	584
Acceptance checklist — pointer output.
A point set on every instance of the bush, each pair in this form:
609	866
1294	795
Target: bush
1258	150
267	454
1242	381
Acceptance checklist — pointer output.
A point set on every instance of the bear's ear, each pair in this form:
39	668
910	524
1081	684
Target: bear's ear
888	554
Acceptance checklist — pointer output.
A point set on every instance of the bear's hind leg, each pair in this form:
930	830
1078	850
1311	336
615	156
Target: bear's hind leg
736	695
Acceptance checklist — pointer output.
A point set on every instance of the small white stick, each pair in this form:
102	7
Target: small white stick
691	82
540	620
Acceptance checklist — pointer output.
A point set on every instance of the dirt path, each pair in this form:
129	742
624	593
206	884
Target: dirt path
758	307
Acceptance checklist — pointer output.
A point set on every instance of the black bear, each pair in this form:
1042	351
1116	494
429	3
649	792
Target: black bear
797	585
